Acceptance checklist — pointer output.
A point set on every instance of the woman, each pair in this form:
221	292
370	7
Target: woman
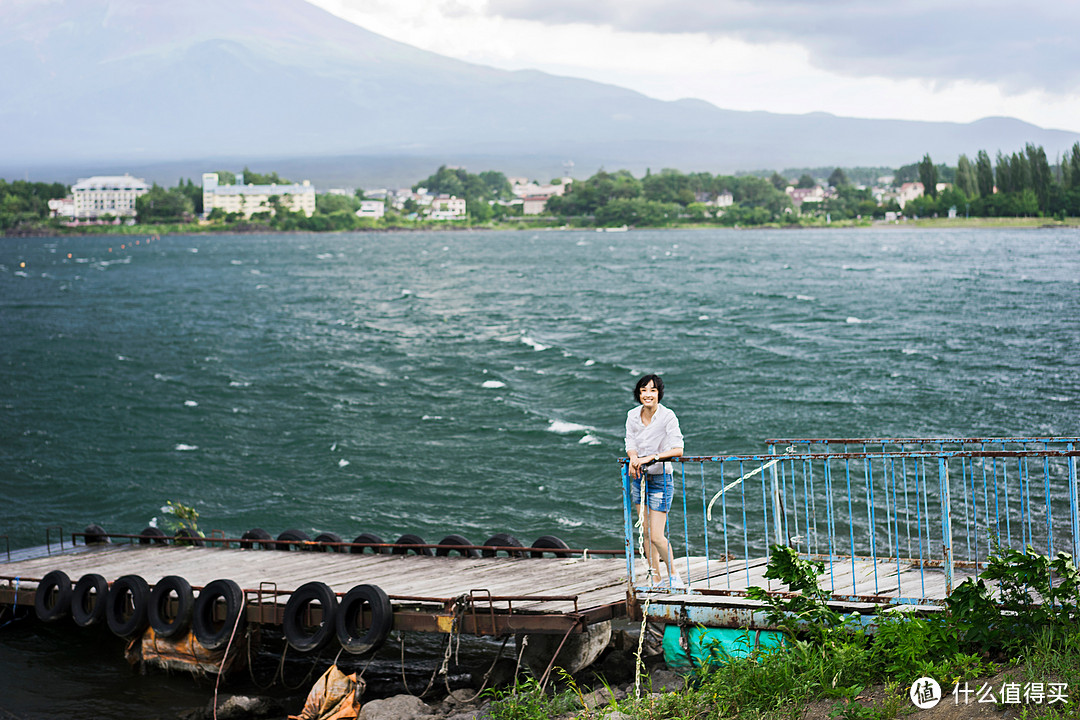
653	436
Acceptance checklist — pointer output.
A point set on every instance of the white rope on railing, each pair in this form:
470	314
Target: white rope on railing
747	476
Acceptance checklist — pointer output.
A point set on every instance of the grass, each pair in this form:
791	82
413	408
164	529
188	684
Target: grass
834	663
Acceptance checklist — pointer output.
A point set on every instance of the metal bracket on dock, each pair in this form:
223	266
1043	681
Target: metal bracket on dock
265	586
48	541
217	536
491	610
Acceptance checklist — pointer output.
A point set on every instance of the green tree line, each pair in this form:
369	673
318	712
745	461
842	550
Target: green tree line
1021	184
670	197
26	204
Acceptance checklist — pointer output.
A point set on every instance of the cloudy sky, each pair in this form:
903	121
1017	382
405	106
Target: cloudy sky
956	60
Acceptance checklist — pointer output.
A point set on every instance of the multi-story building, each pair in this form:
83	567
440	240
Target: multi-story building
251	199
107	195
371	209
447	207
62	207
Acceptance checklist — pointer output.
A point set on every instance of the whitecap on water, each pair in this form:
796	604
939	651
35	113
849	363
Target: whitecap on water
909	351
493	384
236	262
342	462
325	256
853	321
190	403
805	298
589	440
525	339
567	522
702	317
1060	398
589	362
193	250
432	417
563	428
239	383
182	447
121	358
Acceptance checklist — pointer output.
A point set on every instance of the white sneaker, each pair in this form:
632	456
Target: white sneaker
676	582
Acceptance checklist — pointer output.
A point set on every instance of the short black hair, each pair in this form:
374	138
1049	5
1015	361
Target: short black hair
645	379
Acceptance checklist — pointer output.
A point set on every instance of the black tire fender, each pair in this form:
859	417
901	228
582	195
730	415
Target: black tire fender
299	637
152	535
453	543
95	535
364	541
351	611
256	536
328	537
551	544
135	588
88	600
294	535
161	600
207	631
406	544
47	606
502	540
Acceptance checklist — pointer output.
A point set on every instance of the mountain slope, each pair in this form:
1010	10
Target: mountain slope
139	80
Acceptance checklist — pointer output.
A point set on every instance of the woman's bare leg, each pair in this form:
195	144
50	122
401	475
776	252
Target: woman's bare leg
661	546
646	516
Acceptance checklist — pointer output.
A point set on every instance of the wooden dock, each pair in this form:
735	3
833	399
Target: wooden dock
487	596
480	596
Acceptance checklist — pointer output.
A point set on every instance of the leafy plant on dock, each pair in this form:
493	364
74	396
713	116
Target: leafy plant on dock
181	519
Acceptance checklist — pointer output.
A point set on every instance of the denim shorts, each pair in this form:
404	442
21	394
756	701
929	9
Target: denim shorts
659	489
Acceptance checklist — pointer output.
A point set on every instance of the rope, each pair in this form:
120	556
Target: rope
444	668
221	669
639	664
487	675
517	666
251	667
747	476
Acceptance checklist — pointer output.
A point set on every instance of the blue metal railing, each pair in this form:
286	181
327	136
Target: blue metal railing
885	509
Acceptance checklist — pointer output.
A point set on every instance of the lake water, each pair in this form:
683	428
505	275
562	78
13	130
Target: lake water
477	382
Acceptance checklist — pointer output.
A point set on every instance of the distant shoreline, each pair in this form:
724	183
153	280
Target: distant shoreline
1035	223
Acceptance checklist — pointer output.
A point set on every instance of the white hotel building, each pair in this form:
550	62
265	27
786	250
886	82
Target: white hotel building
251	199
103	195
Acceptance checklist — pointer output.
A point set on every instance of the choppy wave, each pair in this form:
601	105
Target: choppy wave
526	340
565	428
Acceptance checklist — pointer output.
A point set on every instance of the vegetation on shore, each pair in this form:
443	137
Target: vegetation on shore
1020	189
1031	630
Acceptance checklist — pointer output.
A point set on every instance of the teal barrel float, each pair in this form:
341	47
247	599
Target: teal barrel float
687	648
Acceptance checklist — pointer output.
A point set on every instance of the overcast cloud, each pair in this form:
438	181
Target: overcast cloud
955	60
1017	46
